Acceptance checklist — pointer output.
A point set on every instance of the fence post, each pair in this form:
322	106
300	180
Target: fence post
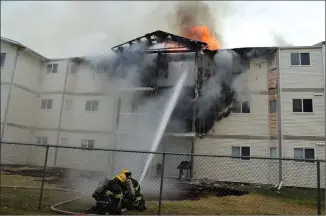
42	183
318	189
161	185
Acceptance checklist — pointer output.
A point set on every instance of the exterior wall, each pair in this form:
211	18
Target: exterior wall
303	124
22	107
27	121
238	123
11	52
302	76
255	90
53	82
255	170
4	98
28	71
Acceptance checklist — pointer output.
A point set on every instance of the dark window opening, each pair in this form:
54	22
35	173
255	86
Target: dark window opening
3	59
305	58
295	59
236	107
245	107
300	58
297	105
302	105
307	105
272	105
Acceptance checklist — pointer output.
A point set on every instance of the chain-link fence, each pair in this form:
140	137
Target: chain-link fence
36	178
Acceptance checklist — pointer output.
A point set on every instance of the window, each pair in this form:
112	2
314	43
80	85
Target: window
41	140
304	153
3	59
302	105
241	107
273	152
300	58
245	64
73	68
86	143
91	105
68	104
46	104
241	152
272	105
52	68
64	141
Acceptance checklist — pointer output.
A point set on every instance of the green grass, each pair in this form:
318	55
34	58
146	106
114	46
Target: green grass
261	200
301	196
25	201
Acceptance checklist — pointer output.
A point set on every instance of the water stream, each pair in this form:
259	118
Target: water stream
164	120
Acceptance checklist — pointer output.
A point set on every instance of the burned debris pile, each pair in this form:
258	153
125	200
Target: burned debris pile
199	189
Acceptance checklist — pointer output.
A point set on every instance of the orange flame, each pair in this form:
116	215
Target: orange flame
202	33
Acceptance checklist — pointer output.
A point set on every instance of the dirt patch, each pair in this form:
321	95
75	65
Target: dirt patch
198	189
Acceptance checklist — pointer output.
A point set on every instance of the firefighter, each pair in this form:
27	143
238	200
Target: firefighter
134	200
109	194
112	195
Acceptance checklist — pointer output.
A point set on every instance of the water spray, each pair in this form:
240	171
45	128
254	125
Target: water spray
164	120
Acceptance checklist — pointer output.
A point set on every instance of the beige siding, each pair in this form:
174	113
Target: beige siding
11	52
257	75
48	118
256	170
28	71
234	170
4	98
53	81
79	119
303	124
14	154
23	107
254	123
302	76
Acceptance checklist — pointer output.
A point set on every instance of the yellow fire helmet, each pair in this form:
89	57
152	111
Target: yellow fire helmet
122	177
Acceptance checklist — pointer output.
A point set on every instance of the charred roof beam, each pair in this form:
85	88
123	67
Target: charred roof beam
160	37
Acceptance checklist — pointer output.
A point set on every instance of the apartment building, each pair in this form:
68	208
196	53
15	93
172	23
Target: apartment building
68	102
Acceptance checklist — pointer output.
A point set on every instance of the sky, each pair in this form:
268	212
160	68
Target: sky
71	28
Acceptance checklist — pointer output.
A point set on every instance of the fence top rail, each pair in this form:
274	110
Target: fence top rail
161	153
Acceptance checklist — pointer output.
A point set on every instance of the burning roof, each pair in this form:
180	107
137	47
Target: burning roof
158	37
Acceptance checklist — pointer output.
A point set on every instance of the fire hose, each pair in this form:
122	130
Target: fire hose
54	207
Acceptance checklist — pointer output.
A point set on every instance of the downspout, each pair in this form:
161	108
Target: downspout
193	139
324	70
60	115
12	82
279	117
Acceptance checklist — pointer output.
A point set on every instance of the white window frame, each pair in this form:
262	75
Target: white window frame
304	158
52	64
300	65
241	153
46	104
92	104
242	113
85	143
313	107
67	108
270	152
41	140
4	55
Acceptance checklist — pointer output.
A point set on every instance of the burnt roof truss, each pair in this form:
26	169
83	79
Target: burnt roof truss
158	37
